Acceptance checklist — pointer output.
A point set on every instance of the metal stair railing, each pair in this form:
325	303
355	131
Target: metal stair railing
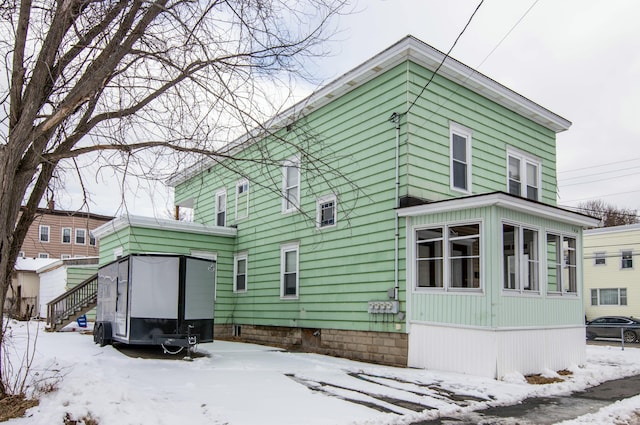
63	309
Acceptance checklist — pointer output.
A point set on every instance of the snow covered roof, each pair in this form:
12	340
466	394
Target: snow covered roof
33	264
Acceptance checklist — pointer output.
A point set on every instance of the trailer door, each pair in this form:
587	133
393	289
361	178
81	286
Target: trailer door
122	300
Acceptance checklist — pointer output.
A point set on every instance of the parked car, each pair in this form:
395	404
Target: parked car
614	327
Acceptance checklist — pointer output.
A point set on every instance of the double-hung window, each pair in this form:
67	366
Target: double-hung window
326	211
448	257
523	175
460	152
627	260
221	207
291	185
44	233
81	236
561	264
240	273
289	271
66	235
242	199
520	258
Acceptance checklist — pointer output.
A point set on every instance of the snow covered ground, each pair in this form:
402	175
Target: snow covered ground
234	383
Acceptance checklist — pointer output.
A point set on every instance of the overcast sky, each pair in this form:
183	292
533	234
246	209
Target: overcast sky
578	58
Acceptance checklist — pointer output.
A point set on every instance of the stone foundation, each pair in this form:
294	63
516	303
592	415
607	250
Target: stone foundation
388	348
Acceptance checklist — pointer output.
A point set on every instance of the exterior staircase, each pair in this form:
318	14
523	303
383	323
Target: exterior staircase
74	303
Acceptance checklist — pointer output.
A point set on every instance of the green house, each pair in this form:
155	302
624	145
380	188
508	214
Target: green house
382	222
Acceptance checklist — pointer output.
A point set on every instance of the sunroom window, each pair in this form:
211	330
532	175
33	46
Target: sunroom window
455	268
561	264
520	258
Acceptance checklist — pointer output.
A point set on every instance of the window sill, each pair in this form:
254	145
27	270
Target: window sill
289	298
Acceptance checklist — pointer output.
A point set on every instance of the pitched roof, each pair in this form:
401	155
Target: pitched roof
407	49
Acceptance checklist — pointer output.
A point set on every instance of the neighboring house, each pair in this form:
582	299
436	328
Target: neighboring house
429	238
62	234
23	296
60	276
612	271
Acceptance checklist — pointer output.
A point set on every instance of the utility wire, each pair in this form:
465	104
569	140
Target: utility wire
444	59
601	173
598	165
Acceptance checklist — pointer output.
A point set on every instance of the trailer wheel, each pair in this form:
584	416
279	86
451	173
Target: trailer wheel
96	329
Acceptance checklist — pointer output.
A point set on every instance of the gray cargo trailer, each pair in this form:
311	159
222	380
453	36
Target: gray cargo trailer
155	299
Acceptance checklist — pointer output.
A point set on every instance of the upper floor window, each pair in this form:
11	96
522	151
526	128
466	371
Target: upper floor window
43	255
627	260
44	233
242	199
240	273
523	173
289	271
65	256
221	207
520	258
291	185
81	236
21	254
66	235
561	264
92	239
448	257
326	211
599	258
460	152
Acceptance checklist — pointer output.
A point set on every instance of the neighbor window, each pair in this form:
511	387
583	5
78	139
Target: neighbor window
242	199
561	264
289	271
627	260
66	235
520	258
326	211
523	175
460	152
291	185
221	208
43	255
81	236
240	273
65	256
92	239
44	234
448	257
21	254
609	296
599	258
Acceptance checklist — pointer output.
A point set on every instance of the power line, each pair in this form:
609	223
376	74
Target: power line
599	180
444	59
599	165
600	173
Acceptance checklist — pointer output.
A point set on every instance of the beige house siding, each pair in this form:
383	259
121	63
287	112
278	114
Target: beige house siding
608	244
57	220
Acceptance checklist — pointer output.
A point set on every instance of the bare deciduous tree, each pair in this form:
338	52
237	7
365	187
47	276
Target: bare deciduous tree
610	215
114	79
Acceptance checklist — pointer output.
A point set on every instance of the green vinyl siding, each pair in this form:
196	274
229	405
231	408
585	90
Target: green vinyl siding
494	129
341	268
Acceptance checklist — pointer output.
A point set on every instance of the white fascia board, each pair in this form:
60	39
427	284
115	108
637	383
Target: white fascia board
409	48
501	200
613	229
161	224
